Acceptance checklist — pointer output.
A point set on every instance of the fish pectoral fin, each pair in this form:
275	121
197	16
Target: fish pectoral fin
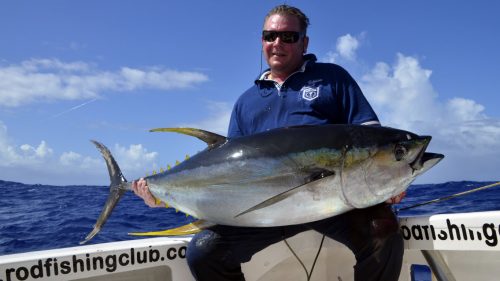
211	139
316	175
190	228
319	174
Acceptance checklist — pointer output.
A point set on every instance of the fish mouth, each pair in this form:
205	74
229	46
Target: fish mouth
430	159
425	160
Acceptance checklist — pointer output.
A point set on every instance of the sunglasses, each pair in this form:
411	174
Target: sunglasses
285	36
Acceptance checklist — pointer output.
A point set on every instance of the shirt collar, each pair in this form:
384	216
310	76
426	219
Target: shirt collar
308	59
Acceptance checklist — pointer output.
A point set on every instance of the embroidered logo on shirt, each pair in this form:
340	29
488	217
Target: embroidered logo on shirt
309	93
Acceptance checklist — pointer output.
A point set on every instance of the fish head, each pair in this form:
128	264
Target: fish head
398	163
390	168
412	155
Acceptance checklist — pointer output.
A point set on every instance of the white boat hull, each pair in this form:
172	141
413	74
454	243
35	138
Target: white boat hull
468	243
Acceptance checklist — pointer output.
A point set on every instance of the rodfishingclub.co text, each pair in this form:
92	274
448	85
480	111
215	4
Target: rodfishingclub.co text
48	267
489	233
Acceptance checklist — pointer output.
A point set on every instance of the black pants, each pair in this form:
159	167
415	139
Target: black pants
372	234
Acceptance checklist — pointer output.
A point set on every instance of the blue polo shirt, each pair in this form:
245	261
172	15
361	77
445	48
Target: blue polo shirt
317	94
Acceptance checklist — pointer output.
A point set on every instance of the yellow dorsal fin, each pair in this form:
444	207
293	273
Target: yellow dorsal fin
212	139
187	157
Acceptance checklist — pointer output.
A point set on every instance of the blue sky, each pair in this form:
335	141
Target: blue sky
71	71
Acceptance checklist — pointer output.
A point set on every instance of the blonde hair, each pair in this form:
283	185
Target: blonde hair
291	11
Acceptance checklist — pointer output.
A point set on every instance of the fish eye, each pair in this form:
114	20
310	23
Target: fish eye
400	152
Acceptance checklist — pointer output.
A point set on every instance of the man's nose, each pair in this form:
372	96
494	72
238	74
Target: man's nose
277	41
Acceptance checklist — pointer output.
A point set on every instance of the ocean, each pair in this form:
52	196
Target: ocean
42	217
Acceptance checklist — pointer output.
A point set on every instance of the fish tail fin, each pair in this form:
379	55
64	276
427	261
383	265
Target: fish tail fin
117	188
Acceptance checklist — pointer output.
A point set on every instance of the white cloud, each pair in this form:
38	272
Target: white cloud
403	96
8	154
217	120
25	154
70	158
40	162
78	162
134	158
40	152
346	48
39	80
464	109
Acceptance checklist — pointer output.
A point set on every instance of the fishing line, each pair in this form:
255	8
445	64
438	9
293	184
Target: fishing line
260	71
308	273
451	196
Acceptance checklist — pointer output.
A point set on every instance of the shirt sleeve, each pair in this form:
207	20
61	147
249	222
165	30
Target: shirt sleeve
234	130
356	108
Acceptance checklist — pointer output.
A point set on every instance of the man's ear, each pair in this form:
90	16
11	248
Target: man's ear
305	44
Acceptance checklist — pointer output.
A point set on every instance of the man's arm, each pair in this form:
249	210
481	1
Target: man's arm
234	130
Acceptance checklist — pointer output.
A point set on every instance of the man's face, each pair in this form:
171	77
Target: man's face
283	58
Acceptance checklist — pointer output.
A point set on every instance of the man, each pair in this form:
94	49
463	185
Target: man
296	90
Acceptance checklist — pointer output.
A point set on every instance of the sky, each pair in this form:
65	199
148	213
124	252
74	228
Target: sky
74	71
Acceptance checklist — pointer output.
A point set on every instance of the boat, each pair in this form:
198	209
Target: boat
462	246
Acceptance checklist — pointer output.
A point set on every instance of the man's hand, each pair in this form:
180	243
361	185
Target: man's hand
396	199
141	189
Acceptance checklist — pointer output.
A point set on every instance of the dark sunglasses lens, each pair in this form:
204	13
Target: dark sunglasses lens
269	36
285	36
289	37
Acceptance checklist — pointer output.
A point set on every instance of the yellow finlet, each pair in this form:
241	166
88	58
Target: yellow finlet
169	167
177	162
157	201
187	229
